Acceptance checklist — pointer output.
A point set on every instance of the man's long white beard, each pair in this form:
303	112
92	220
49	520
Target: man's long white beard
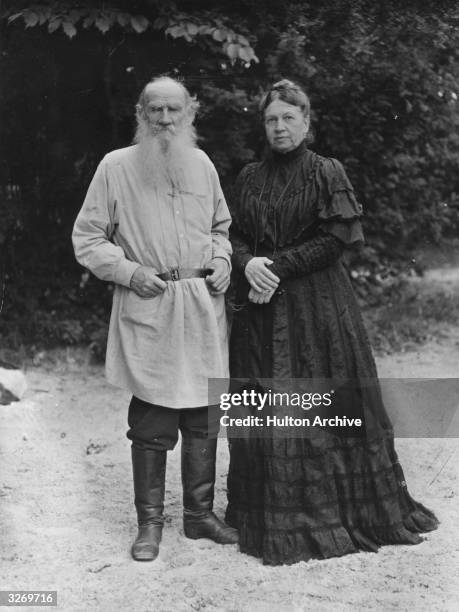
163	157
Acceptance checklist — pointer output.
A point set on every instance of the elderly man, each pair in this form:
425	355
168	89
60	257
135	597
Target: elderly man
155	223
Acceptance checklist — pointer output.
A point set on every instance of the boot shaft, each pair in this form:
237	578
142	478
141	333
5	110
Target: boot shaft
198	473
198	478
149	473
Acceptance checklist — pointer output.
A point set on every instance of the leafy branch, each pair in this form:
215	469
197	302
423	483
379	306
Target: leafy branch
179	25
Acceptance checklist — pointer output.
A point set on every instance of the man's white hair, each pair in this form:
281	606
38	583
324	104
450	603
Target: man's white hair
191	103
160	158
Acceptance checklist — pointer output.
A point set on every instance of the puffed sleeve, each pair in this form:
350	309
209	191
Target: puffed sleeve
242	252
338	208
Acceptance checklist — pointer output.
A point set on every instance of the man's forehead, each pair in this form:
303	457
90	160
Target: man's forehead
165	91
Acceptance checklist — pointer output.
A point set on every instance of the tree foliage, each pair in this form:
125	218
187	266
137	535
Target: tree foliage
382	77
176	24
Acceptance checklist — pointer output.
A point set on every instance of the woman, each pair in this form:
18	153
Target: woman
307	496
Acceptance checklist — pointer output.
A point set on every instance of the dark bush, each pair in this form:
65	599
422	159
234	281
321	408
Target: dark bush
382	79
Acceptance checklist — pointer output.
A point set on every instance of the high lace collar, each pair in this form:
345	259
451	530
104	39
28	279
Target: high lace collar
290	156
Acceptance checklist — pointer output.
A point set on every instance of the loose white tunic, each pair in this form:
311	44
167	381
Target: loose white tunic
163	349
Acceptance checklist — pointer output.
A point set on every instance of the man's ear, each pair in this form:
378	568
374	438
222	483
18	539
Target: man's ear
190	116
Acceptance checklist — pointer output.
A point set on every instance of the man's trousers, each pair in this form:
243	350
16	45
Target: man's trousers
153	427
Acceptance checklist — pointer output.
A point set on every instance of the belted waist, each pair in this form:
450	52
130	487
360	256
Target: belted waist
176	274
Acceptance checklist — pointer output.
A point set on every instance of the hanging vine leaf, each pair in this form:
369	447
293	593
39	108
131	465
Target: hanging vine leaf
206	30
12	18
102	24
43	16
54	24
175	31
139	23
242	40
192	28
123	19
174	24
90	19
232	51
219	35
31	19
69	29
247	55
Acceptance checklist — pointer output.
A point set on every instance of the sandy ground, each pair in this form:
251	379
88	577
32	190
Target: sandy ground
67	518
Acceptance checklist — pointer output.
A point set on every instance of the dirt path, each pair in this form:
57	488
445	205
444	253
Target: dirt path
67	518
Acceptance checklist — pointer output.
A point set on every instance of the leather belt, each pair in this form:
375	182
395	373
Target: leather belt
176	274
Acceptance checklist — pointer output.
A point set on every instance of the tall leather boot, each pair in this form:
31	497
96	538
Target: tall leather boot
198	479
149	471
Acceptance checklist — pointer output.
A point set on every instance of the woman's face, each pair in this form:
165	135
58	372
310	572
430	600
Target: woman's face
285	126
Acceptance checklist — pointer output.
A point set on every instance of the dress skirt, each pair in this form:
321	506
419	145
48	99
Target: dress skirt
300	497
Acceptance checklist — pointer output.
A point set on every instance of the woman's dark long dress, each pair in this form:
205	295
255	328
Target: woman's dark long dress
299	498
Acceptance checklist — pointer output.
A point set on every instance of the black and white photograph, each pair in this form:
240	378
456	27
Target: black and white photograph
229	305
